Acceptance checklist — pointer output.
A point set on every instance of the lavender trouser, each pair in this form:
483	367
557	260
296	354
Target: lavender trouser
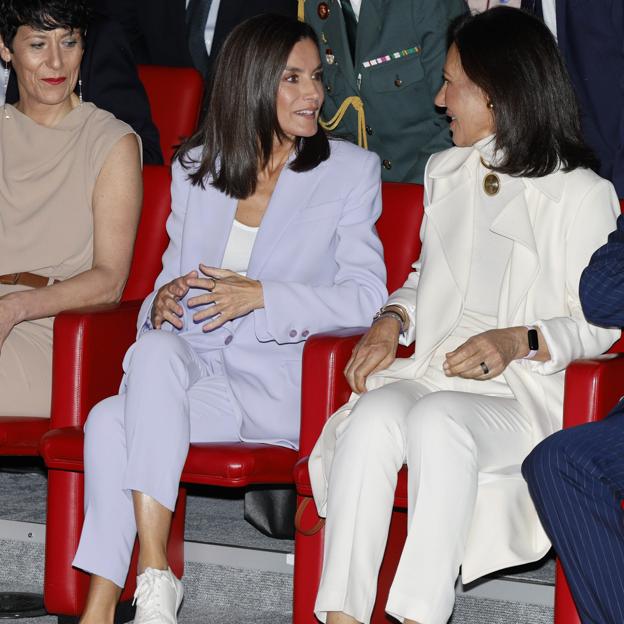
138	440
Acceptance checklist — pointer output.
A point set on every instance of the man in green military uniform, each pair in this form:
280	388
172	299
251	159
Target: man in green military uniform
382	63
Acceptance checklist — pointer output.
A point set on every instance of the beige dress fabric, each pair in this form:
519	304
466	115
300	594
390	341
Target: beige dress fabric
47	176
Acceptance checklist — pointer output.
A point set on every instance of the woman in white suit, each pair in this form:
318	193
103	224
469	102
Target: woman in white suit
272	238
512	215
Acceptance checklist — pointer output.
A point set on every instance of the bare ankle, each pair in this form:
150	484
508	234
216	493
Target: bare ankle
101	617
157	562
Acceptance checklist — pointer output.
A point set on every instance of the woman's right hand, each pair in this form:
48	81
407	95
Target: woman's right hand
166	306
375	351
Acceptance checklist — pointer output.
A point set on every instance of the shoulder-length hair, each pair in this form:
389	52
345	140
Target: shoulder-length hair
42	15
514	59
241	123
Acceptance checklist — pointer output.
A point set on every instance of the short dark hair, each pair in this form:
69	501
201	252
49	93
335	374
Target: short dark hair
42	15
241	123
514	59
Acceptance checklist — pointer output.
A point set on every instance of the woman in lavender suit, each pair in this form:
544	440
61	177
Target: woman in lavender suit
272	239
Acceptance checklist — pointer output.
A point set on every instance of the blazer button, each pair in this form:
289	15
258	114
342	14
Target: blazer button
229	339
387	164
293	333
369	130
398	82
305	333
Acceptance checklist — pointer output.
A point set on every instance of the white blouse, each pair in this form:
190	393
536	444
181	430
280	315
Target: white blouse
239	246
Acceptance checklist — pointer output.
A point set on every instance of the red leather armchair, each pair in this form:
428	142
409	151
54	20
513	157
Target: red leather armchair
21	435
105	337
175	96
592	388
89	345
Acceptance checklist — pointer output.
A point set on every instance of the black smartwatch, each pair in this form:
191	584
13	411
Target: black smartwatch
533	341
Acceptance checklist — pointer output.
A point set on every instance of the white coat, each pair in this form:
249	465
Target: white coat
555	222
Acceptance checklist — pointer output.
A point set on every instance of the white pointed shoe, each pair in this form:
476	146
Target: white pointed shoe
158	597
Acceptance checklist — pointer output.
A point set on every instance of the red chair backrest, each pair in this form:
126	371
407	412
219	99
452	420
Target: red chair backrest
399	229
152	238
175	96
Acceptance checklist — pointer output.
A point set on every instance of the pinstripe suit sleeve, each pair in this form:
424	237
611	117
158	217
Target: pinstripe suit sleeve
602	282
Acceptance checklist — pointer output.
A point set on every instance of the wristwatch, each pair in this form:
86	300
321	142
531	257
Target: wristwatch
533	341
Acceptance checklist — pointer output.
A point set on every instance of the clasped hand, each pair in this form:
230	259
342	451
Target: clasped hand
229	295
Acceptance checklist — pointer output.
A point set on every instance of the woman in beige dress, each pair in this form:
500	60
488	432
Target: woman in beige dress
70	196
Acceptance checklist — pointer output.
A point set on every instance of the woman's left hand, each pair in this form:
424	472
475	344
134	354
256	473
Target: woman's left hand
492	350
231	294
9	318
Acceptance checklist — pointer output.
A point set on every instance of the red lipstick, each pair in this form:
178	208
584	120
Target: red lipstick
55	81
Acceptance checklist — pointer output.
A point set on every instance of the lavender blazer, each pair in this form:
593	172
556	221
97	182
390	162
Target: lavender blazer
321	265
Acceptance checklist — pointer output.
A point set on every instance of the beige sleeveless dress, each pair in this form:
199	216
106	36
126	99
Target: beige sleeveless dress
47	176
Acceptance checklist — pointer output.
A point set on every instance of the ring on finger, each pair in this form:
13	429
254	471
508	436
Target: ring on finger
484	368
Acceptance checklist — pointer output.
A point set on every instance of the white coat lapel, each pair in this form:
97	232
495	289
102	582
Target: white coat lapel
451	214
514	223
446	253
209	219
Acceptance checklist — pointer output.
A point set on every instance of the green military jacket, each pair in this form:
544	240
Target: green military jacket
409	38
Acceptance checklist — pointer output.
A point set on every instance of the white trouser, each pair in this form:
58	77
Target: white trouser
446	438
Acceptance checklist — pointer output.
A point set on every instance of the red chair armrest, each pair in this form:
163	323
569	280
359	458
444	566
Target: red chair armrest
301	477
89	345
592	388
324	388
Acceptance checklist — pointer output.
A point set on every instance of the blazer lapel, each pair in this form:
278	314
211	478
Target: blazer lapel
445	256
514	223
210	215
451	214
292	192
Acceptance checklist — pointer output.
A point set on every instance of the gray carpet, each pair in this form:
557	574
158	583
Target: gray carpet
218	594
23	496
225	595
214	515
215	594
470	610
541	572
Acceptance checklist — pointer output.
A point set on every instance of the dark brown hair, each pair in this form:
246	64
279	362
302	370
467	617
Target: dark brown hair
514	59
241	123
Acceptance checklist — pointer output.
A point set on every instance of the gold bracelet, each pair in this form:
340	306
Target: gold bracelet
396	311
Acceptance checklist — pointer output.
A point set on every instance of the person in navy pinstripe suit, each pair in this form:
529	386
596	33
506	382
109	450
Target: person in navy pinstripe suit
576	476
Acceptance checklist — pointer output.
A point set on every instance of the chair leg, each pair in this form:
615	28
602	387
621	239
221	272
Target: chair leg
65	588
565	608
308	566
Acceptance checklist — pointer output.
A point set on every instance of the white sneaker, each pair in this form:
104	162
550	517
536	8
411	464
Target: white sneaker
158	597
